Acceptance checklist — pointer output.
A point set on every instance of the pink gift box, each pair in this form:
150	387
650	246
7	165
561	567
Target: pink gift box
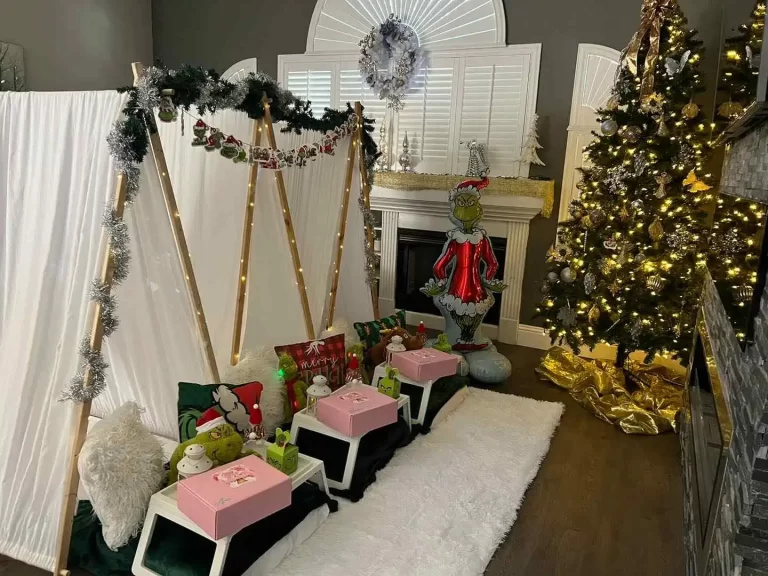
356	411
426	364
226	499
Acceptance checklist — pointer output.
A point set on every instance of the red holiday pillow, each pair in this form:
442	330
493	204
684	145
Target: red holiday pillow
326	357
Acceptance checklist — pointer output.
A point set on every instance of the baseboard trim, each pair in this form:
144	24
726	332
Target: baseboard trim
535	337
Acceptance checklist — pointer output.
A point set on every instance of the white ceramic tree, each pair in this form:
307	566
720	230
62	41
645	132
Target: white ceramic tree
531	146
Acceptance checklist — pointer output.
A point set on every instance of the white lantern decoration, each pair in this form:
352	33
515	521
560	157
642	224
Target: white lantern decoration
396	345
195	461
318	390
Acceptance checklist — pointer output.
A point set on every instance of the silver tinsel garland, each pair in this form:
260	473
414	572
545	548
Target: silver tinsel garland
91	362
147	91
100	293
119	244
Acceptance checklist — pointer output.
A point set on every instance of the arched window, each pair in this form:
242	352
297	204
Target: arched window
473	85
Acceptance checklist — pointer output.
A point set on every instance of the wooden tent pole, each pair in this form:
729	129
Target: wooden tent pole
366	198
179	237
245	249
299	273
342	227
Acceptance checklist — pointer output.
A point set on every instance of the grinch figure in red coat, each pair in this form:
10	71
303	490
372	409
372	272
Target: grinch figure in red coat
464	283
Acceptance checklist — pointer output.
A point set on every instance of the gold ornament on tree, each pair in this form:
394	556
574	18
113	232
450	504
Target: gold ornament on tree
730	109
663	130
656	230
662	180
594	315
691	110
612	104
652	103
694	184
654	12
655	283
631	134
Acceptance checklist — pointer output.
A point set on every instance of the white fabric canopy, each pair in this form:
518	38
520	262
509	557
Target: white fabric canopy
212	193
55	175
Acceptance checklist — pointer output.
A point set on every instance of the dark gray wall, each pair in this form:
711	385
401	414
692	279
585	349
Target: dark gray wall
78	44
218	33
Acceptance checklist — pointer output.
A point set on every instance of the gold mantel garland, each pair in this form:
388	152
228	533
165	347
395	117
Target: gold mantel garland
499	186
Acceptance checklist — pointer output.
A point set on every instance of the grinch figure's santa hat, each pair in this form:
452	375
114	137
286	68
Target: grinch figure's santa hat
468	187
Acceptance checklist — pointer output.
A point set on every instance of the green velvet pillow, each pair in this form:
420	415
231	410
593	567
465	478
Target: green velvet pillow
370	332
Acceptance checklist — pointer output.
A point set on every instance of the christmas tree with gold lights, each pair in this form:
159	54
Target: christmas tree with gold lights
628	265
741	66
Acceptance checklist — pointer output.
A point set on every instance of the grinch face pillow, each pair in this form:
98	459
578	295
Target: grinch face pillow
234	403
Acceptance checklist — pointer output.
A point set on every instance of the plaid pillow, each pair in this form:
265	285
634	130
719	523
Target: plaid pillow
319	357
370	332
234	402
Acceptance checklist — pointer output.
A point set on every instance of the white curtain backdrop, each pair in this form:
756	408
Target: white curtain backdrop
157	344
211	193
55	175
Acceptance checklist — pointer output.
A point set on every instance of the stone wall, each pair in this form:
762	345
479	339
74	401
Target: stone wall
740	541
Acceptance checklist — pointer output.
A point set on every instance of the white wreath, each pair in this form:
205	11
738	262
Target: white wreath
389	59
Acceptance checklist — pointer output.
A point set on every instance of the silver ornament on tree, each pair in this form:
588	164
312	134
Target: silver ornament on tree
553	277
637	204
545	288
405	158
566	275
743	293
590	283
640	258
609	127
567	316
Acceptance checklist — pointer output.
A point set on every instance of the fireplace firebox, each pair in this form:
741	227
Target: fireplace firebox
417	252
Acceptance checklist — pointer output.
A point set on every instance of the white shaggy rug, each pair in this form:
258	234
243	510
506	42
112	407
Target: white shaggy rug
444	503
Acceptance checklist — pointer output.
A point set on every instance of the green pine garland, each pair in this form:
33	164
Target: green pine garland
205	90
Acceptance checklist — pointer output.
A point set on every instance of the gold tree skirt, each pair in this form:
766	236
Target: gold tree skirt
646	405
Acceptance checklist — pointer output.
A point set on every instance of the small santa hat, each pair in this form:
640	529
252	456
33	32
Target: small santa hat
468	186
256	416
353	363
209	419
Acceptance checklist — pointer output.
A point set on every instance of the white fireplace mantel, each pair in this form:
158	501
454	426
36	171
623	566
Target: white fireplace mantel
504	217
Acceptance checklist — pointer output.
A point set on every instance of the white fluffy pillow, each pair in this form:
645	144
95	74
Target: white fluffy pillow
121	466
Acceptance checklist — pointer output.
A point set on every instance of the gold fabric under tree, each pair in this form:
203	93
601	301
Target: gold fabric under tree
648	404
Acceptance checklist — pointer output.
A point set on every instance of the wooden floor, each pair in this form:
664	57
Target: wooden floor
603	503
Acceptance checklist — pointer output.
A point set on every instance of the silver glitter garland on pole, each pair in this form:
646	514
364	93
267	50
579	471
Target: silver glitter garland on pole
100	293
93	363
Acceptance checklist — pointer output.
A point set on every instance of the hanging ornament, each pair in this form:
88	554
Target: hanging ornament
728	244
632	134
636	330
624	213
166	110
691	110
614	288
559	254
566	275
653	103
686	156
640	258
730	109
682	240
597	217
606	266
214	140
656	230
610	245
662	180
663	130
641	163
695	184
609	127
593	315
743	293
612	104
590	282
655	283
637	204
200	129
674	66
567	316
553	277
230	148
576	213
587	221
624	254
545	288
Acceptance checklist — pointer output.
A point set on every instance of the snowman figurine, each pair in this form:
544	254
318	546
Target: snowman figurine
166	109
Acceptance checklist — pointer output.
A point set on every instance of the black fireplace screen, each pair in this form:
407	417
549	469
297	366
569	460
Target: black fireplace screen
417	252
